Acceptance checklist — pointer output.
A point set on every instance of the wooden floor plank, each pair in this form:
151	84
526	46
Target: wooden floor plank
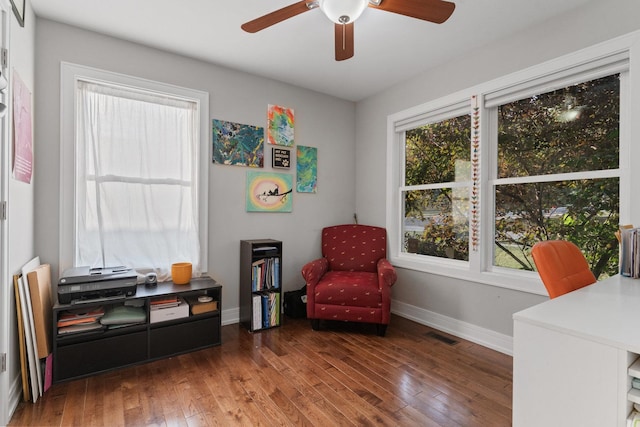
342	375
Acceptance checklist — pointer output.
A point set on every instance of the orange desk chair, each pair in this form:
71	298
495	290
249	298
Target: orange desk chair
561	266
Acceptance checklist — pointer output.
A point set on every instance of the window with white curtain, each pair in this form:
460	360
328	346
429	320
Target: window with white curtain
138	174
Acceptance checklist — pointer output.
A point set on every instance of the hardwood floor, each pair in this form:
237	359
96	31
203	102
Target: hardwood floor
342	375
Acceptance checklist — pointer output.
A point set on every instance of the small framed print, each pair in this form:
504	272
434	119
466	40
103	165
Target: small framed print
280	158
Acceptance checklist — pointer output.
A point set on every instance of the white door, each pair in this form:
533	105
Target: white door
6	292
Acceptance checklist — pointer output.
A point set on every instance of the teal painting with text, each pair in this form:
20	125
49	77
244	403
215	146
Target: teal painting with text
238	144
306	169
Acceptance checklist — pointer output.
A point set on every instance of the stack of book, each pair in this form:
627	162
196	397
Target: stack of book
265	274
165	301
168	307
266	310
629	238
80	320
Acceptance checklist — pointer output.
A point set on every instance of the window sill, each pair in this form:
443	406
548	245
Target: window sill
523	281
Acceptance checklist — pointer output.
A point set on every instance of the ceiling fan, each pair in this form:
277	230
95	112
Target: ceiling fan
344	12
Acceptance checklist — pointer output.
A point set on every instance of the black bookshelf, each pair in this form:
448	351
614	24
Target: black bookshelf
260	284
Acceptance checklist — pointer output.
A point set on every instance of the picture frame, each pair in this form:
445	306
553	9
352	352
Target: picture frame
18	7
306	169
280	158
269	192
280	125
237	144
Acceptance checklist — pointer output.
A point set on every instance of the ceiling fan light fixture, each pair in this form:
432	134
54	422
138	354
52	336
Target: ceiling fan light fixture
343	11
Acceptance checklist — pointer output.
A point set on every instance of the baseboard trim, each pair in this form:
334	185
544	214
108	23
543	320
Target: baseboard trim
230	316
485	337
15	396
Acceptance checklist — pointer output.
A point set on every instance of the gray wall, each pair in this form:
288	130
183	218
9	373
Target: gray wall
475	303
321	121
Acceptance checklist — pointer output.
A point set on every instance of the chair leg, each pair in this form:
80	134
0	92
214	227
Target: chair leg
382	329
315	324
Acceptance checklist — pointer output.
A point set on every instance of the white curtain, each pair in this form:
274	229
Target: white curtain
136	179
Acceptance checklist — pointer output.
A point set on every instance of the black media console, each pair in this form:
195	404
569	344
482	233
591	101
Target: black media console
80	354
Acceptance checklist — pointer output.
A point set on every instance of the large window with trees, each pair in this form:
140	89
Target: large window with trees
557	174
478	177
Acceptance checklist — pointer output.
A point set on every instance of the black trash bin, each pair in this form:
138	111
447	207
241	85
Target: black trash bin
295	303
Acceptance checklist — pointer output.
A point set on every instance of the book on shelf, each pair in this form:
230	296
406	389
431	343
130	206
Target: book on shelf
199	307
629	238
83	327
265	274
633	420
257	312
274	314
276	273
270	309
164	302
80	316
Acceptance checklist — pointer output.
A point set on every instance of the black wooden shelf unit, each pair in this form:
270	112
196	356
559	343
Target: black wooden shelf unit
260	284
80	354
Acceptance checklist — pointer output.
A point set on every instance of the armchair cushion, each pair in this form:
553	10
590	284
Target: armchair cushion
358	289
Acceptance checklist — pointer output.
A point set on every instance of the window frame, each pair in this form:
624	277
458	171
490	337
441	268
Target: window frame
609	57
70	74
449	111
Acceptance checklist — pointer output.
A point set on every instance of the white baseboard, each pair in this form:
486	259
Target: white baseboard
230	316
485	337
15	396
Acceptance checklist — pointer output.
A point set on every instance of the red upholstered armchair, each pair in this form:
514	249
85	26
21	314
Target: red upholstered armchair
352	281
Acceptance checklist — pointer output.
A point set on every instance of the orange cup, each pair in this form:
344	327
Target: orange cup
181	273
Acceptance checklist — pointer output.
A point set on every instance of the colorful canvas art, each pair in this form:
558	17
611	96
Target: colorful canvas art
306	169
269	192
238	144
280	125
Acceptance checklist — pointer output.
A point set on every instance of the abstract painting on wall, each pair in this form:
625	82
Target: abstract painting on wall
306	169
238	144
280	122
269	192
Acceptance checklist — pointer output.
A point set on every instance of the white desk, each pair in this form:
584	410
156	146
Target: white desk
571	356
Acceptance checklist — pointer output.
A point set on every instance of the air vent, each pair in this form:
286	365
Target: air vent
446	340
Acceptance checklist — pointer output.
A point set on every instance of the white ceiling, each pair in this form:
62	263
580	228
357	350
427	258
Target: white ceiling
389	48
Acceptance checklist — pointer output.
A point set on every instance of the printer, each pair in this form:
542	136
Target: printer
83	284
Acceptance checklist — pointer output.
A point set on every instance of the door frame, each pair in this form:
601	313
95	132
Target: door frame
7	332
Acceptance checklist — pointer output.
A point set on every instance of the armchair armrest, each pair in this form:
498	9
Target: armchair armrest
386	273
314	270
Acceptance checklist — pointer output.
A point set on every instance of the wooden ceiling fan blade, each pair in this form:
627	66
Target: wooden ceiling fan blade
279	15
436	11
344	41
